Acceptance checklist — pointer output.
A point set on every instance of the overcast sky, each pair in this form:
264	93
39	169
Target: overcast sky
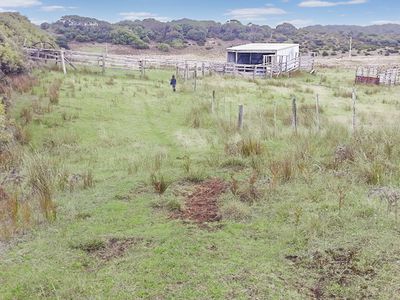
298	12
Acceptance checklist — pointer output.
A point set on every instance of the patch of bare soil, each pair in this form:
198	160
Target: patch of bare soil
333	266
110	249
214	50
347	62
201	205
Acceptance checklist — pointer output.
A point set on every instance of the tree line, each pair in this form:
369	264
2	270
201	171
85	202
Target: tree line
140	34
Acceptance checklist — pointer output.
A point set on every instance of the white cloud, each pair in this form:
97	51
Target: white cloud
38	22
254	13
51	8
18	3
318	3
142	15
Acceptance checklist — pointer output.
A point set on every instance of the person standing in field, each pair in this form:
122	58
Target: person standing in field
173	83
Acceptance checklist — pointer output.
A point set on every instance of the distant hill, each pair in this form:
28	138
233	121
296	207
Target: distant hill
393	29
326	40
15	30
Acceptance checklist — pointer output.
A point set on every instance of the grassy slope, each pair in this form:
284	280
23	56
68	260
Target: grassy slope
118	129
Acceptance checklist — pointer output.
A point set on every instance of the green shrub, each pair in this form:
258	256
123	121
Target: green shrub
163	47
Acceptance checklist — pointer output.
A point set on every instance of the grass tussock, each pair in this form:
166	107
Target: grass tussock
343	93
281	171
88	179
159	183
54	91
15	215
41	181
23	83
197	116
250	146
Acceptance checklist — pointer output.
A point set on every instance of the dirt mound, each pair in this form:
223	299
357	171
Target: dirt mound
201	205
333	266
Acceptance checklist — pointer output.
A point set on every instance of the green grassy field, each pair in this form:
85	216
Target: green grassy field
297	222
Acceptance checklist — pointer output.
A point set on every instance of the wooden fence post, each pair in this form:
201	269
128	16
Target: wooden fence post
203	73
294	114
240	117
63	62
103	66
317	112
213	102
195	78
275	125
141	68
354	96
186	71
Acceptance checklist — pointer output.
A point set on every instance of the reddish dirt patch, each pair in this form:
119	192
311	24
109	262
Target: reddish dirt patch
333	266
201	204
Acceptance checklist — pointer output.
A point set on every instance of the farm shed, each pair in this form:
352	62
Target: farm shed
263	54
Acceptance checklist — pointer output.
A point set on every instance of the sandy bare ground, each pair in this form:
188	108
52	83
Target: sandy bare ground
347	62
215	50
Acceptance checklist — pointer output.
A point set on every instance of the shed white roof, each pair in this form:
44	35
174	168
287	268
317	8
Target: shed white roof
262	47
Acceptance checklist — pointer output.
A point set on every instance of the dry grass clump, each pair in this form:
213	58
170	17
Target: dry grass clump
344	153
342	93
246	190
71	181
54	91
307	114
372	91
250	146
279	113
159	183
88	179
14	214
23	83
110	81
26	115
370	156
172	205
196	117
282	171
41	181
22	135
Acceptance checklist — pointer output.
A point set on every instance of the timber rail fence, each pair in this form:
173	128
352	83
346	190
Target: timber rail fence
378	75
184	68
